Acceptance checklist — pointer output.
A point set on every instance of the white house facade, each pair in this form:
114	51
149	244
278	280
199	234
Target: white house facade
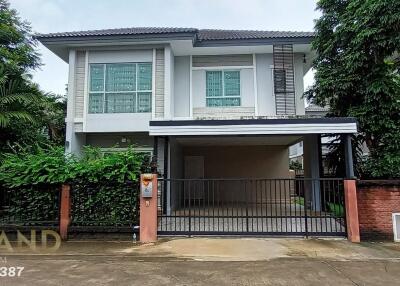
205	103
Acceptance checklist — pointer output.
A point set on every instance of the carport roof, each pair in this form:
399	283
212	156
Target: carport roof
254	126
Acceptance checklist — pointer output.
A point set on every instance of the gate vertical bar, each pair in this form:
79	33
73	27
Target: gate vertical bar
305	209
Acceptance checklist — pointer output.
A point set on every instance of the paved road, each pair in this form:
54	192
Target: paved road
100	270
209	262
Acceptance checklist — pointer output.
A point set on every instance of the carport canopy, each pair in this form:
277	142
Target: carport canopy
288	126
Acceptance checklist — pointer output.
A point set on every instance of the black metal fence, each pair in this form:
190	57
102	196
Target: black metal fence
36	206
251	207
96	207
104	207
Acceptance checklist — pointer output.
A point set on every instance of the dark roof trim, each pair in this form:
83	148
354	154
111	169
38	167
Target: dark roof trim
200	38
253	42
120	31
110	38
333	120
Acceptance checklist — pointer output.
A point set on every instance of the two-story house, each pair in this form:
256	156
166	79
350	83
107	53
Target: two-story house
206	103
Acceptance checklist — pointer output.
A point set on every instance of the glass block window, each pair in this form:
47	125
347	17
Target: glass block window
223	88
120	88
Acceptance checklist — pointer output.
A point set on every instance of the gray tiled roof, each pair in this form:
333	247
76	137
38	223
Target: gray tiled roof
316	108
121	31
201	34
210	34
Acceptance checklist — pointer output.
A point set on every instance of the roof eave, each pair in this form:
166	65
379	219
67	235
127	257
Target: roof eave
108	38
254	42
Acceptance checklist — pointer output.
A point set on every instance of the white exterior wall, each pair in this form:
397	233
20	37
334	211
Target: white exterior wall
182	87
179	89
265	94
109	140
299	84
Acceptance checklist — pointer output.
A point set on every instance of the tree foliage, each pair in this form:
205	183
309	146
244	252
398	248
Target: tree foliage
52	167
357	74
17	46
28	116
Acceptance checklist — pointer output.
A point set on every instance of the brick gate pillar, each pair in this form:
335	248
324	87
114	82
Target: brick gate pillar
350	198
148	207
65	210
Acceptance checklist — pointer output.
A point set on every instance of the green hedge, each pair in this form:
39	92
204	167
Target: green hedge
104	188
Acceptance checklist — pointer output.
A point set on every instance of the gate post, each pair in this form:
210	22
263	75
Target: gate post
350	199
148	207
65	210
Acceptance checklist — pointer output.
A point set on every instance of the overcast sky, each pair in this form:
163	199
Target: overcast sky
71	15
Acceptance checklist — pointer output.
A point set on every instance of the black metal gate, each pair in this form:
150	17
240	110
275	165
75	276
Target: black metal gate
251	207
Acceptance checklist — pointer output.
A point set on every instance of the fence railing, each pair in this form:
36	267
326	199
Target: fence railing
251	206
36	206
96	207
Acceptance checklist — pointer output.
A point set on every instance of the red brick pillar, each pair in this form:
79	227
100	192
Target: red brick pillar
65	210
148	208
350	198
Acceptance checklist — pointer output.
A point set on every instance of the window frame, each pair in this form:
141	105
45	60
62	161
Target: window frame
108	150
104	92
223	71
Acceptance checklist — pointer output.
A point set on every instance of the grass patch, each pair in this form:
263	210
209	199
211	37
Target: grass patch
336	209
299	201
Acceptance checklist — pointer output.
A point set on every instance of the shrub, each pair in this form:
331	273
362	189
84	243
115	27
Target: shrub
100	184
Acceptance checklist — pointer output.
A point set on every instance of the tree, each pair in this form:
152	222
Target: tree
28	116
357	44
17	46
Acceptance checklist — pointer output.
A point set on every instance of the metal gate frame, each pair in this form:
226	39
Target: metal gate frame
253	207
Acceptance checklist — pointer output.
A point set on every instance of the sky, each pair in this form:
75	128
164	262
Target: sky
48	16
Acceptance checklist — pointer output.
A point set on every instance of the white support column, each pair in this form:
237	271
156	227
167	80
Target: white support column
312	170
191	87
255	85
73	141
85	90
71	86
169	183
153	86
348	156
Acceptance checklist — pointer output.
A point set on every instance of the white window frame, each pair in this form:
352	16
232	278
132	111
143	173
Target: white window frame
104	92
122	149
223	88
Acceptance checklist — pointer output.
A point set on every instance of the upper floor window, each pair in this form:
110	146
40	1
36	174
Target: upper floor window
223	88
120	88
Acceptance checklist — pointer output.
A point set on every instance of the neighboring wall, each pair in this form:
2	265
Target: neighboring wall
377	200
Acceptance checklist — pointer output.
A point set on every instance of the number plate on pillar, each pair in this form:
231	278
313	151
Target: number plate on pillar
146	187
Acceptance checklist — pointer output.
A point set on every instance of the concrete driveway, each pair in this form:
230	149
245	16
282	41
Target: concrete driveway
208	261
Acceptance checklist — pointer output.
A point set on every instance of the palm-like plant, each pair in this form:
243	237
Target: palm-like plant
18	100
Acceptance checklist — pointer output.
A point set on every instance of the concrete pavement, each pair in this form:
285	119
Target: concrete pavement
209	261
